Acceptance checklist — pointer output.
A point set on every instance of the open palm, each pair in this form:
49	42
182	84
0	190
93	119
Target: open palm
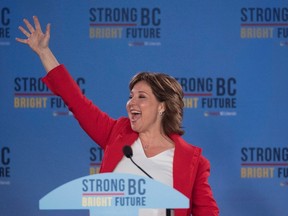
36	39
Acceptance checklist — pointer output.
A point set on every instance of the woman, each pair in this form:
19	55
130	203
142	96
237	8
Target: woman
152	129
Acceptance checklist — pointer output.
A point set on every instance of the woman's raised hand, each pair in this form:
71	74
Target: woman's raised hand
39	42
36	39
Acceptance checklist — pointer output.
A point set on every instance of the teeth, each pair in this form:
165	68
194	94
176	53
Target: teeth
135	115
135	112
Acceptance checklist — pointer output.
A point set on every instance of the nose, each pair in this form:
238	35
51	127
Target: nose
130	103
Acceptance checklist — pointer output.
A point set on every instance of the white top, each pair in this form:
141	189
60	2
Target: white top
159	167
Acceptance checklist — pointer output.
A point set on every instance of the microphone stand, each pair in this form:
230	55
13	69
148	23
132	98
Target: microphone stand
128	153
140	168
168	211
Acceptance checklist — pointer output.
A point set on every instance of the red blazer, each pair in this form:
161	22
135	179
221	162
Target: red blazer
190	169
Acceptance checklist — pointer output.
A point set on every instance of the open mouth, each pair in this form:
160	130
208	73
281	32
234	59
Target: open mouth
135	115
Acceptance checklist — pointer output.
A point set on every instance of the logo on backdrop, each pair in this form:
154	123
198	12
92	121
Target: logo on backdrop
32	93
5	169
265	162
264	23
141	26
95	158
216	96
5	22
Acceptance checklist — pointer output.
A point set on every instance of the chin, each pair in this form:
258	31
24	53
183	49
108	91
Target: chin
134	128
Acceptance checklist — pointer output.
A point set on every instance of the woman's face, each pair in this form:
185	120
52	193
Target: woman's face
143	108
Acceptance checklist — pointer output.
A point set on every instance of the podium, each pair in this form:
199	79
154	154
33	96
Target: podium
113	194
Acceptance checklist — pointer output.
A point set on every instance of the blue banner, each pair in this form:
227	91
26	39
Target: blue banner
230	58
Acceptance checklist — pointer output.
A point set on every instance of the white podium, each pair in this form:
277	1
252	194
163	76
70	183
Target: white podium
113	194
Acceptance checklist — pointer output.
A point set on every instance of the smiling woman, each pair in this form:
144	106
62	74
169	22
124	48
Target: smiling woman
153	129
168	91
143	108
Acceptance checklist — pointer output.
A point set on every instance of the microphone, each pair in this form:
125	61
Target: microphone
127	151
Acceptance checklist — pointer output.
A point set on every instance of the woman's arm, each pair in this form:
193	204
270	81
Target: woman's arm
96	123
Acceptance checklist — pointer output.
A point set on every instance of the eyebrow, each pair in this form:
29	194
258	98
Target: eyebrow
141	91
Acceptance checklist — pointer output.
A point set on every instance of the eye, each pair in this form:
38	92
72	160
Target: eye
142	96
130	96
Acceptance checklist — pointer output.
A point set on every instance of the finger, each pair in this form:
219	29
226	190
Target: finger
37	23
24	31
29	26
48	27
22	40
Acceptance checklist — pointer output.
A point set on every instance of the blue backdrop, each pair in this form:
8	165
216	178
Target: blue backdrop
229	56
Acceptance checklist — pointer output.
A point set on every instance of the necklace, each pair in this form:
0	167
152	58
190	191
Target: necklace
146	146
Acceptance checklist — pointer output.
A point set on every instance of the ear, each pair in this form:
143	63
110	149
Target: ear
161	107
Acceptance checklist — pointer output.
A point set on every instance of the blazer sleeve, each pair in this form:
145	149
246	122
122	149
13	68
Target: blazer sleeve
203	203
97	124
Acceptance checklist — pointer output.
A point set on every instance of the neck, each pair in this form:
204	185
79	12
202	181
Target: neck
155	140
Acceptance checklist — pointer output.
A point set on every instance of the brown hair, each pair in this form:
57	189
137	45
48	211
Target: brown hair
166	89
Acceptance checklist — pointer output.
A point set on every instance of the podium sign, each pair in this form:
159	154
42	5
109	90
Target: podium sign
111	194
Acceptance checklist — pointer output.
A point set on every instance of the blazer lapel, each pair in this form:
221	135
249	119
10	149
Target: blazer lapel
113	152
185	164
